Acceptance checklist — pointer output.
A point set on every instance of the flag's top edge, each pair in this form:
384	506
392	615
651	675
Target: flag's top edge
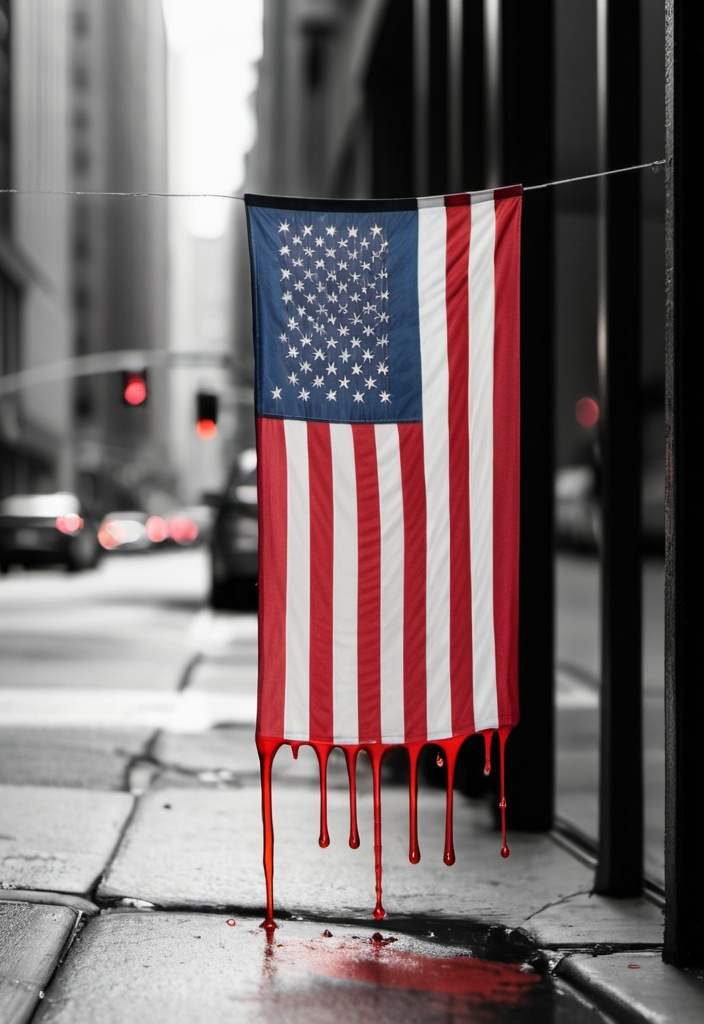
371	205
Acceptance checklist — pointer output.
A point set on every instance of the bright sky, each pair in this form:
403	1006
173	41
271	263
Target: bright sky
217	43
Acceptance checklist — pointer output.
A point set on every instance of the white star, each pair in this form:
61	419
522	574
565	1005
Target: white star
382	368
318	353
305	340
305	395
357	368
305	366
296	239
331	368
358	396
320	240
385	396
344	355
352	232
307	229
292	352
276	393
285	274
284	225
284	250
369	383
287	296
293	378
292	323
376	230
318	382
367	355
383	340
355	342
344	382
331	230
283	337
331	396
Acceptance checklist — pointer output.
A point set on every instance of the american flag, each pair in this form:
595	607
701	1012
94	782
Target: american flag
387	413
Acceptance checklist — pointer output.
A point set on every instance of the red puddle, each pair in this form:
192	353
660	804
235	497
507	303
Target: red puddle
449	750
375	963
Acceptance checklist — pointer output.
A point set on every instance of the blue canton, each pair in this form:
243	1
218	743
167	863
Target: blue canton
336	315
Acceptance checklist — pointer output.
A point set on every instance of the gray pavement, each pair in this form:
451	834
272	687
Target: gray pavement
138	896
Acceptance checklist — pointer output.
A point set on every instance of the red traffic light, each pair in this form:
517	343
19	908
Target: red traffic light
206	414
134	388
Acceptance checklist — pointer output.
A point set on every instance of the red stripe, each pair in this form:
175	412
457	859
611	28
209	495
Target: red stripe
272	485
414	581
457	299
507	453
369	584
321	590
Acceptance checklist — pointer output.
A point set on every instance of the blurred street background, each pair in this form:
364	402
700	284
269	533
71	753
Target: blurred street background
129	132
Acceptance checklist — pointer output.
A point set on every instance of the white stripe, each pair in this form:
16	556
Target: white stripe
297	699
432	236
345	568
481	448
388	456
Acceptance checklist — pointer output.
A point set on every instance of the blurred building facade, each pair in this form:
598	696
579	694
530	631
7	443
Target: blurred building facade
386	98
84	278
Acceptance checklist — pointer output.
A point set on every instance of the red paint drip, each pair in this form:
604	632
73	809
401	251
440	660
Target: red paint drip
323	753
376	754
351	761
413	847
267	749
231	922
487	734
504	731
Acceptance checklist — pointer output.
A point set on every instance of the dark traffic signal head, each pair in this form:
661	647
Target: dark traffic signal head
135	389
206	414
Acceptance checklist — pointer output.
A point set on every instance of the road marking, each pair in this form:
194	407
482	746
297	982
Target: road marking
186	712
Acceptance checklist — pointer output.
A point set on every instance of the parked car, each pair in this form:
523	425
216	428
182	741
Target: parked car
234	538
48	529
131	530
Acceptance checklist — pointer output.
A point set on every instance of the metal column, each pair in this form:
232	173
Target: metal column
684	692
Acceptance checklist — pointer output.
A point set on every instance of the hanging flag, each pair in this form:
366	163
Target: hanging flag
387	413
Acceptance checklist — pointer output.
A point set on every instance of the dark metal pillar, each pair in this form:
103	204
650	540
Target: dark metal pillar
620	864
684	692
526	91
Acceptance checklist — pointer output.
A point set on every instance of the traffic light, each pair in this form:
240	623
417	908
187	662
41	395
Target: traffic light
135	388
206	414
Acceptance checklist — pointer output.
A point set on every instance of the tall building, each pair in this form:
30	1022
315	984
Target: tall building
36	321
120	244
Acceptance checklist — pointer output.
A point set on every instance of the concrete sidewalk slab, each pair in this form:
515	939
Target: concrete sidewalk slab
587	920
32	939
141	968
203	849
89	758
55	838
638	987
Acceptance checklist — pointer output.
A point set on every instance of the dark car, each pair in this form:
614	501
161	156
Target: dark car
234	539
47	529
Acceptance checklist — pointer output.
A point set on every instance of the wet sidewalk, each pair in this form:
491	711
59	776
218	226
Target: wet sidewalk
142	901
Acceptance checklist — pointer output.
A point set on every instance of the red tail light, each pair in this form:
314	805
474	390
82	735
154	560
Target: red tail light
71	523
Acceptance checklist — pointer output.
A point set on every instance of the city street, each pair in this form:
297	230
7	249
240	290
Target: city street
131	821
